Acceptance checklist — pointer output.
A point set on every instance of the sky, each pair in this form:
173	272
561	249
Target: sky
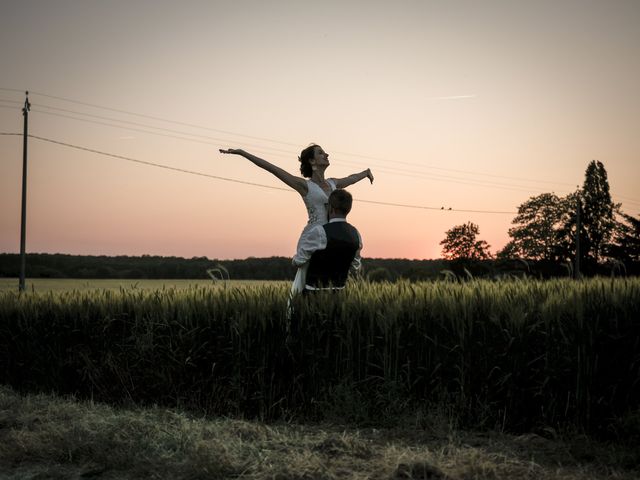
463	110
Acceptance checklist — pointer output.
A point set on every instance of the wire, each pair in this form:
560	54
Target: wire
261	185
167	167
138	124
624	197
434	208
452	179
143	162
291	144
410	173
469	172
12	90
151	117
10	134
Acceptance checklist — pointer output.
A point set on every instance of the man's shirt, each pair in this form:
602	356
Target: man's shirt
316	239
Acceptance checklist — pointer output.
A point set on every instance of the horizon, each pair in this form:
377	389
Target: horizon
463	111
209	258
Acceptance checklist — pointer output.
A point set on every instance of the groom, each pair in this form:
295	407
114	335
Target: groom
331	249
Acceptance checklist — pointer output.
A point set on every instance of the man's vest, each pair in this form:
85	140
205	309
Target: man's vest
330	267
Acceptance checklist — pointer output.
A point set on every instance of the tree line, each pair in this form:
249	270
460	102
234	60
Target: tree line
44	265
585	228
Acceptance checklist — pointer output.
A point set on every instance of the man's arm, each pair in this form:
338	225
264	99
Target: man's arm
357	260
312	240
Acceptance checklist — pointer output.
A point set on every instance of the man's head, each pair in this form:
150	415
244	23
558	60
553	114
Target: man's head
339	203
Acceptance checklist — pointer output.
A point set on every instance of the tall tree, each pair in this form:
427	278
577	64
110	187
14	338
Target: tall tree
565	244
460	243
537	223
597	211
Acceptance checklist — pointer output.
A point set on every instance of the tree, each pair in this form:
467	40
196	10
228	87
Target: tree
597	211
625	245
565	246
461	243
535	235
597	220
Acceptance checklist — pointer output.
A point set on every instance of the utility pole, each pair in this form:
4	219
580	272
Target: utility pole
578	228
23	225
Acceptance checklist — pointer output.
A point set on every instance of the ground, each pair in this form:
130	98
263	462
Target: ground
50	437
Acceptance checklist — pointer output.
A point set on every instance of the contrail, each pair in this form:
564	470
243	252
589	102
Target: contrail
454	97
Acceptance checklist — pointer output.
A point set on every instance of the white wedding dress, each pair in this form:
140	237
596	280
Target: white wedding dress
316	200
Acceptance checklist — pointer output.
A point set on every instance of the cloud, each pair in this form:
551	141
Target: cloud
127	137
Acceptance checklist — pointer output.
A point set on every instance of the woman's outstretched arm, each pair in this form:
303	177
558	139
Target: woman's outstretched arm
356	177
297	183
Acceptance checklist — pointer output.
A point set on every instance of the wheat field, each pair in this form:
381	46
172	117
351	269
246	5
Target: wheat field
511	355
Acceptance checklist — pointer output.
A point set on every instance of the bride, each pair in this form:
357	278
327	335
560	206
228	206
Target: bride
314	188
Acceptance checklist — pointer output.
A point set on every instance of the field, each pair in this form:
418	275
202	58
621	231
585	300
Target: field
43	285
510	357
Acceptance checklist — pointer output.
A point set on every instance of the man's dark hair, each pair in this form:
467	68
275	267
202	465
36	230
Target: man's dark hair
340	200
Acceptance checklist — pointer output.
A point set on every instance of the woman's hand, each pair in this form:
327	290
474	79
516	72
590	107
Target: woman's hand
369	174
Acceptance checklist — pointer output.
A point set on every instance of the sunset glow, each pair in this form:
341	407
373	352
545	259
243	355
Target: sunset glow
462	110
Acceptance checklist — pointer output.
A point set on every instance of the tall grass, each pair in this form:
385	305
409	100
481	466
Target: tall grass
512	354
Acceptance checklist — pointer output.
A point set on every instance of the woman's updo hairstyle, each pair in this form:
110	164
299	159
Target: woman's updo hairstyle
305	160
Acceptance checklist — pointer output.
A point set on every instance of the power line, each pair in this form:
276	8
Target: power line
140	125
286	143
459	180
434	208
450	179
624	197
167	167
12	90
466	172
144	162
410	173
151	117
